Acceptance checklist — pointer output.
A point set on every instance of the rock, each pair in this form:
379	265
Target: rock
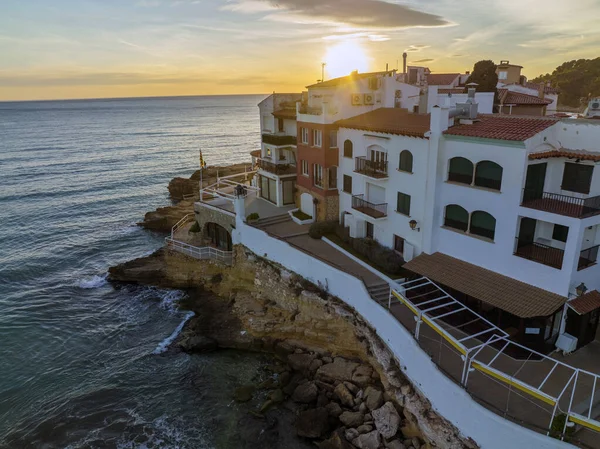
277	369
292	384
341	369
327	360
198	343
268	384
266	406
337	441
369	440
357	401
322	400
368	417
298	351
300	362
334	409
373	398
352	419
284	378
351	434
351	387
315	365
362	407
416	443
244	393
324	386
360	394
405	390
387	420
312	423
362	375
344	395
394	444
277	396
305	393
365	428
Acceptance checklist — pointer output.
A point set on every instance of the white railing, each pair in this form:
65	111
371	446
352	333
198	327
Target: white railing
200	253
181	223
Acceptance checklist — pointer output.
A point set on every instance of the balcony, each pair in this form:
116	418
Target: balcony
305	109
588	257
277	169
373	169
569	206
537	252
368	208
278	139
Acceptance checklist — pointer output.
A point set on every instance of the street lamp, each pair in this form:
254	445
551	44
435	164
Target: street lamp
581	289
413	225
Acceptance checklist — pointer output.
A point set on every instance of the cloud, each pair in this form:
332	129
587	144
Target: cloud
416	48
424	60
358	13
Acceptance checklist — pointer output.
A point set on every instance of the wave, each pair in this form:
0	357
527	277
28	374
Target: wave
164	345
95	282
170	301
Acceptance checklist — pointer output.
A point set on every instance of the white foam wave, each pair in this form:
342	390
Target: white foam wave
170	300
163	345
95	282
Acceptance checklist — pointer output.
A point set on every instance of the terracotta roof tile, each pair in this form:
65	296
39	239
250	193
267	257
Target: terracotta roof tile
564	152
390	121
510	97
441	79
285	113
503	127
346	79
586	303
547	89
456	90
510	295
255	153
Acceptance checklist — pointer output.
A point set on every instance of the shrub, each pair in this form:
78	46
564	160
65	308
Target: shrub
301	215
384	258
558	424
253	216
320	228
195	227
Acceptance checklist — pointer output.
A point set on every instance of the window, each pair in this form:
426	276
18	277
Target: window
348	147
304	133
305	168
333	139
456	218
488	174
318	175
280	125
348	184
317	137
406	161
461	170
483	225
502	75
403	204
370	230
269	154
560	233
577	177
332	174
399	244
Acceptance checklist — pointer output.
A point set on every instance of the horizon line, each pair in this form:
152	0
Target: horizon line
132	98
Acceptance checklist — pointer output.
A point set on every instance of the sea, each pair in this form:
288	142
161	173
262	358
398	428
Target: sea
85	363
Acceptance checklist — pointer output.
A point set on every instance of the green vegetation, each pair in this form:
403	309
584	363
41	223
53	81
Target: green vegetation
484	74
558	424
252	217
577	80
195	227
321	228
301	215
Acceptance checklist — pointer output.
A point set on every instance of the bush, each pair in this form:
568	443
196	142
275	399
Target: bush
253	216
195	227
321	228
301	215
384	258
558	424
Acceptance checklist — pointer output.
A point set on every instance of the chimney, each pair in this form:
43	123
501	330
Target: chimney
468	72
404	56
542	90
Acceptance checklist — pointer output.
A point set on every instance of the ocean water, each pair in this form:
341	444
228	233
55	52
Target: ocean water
83	363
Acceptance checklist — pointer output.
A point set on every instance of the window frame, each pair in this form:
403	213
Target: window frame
574	183
460	174
304	135
317	136
453	227
347	178
399	241
404	196
560	228
479	234
331	169
400	167
318	176
349	147
477	165
333	138
305	168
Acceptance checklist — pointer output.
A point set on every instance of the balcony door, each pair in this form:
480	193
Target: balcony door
526	232
375	194
534	183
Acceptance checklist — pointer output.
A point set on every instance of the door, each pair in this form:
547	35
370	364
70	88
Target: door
288	192
526	232
370	230
534	183
375	194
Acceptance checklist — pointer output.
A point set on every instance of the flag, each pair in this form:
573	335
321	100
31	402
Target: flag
202	161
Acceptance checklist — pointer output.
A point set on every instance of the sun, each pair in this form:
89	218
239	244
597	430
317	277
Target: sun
345	57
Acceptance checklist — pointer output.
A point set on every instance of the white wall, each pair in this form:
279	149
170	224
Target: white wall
447	398
484	100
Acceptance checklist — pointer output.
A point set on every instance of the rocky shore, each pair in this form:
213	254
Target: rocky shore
334	375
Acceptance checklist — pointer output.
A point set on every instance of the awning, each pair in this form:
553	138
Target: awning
586	303
508	294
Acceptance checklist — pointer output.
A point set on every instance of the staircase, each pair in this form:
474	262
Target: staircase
265	222
380	292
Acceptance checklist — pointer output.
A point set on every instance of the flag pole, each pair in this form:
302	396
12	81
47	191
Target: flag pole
201	185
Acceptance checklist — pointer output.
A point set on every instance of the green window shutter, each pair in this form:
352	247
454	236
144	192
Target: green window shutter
403	203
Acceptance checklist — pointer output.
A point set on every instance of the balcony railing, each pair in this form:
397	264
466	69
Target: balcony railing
588	257
374	169
537	252
561	204
305	109
276	169
279	139
368	208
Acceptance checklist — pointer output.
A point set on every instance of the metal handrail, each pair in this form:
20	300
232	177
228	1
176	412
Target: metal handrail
538	252
181	223
371	209
561	204
201	253
277	169
279	139
588	257
375	169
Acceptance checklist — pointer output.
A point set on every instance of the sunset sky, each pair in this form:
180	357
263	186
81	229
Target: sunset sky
121	48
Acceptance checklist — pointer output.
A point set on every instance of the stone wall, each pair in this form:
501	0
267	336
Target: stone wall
205	215
328	207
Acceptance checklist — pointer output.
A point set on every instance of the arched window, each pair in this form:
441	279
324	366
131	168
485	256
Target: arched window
461	170
406	161
456	218
488	174
483	224
348	148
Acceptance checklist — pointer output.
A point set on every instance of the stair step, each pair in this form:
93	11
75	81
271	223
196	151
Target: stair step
273	220
379	288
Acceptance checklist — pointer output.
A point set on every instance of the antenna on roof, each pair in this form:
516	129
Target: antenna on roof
323	64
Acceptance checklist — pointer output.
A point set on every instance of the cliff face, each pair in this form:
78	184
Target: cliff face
261	306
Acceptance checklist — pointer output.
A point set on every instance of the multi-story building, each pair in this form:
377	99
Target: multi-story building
504	211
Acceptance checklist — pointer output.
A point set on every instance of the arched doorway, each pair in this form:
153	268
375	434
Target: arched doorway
218	236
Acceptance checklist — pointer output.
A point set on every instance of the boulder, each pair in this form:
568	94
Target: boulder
276	396
405	389
362	375
244	393
198	343
341	369
351	434
365	428
315	365
352	419
300	362
284	378
292	384
369	440
345	397
322	400
305	393
416	443
362	407
351	387
394	444
327	359
387	420
334	409
373	398
336	441
313	423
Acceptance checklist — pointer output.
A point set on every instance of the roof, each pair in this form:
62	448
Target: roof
586	303
509	97
536	86
564	152
285	113
255	153
390	121
441	79
510	295
503	127
355	76
456	90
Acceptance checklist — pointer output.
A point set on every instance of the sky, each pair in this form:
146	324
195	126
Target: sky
55	49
